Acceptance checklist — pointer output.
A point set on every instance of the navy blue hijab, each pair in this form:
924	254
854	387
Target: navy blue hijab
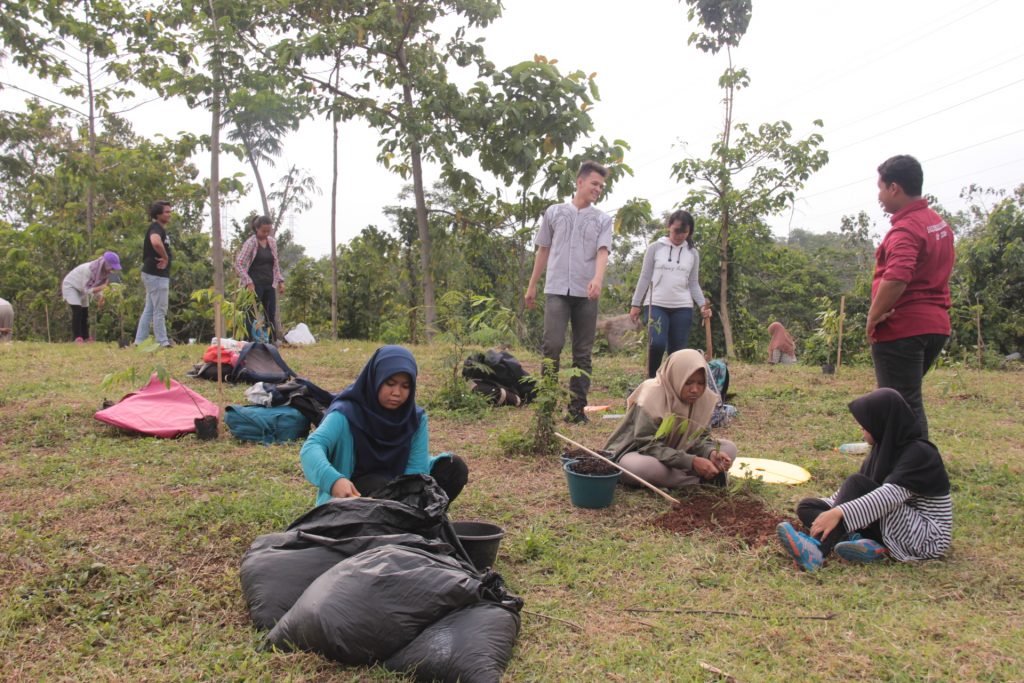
382	437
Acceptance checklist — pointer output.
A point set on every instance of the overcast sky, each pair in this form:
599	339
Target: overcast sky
940	79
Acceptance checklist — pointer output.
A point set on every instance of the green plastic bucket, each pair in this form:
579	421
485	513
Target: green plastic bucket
592	491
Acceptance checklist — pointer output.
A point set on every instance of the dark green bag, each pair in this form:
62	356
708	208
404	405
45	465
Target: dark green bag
266	425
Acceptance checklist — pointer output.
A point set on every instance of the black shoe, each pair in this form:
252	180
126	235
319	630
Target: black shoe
577	417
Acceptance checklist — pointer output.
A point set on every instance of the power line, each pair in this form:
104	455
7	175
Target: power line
928	116
900	45
939	183
939	156
924	94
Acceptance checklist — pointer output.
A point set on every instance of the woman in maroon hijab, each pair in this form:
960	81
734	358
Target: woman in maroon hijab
781	348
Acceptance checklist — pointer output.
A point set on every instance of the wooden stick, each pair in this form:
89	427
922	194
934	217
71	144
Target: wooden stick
548	616
46	310
621	469
842	315
707	339
981	342
823	617
650	303
728	678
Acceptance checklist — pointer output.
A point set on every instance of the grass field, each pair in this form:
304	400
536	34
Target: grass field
119	555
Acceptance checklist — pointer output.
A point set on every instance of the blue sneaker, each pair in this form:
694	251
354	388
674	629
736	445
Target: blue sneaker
862	550
801	547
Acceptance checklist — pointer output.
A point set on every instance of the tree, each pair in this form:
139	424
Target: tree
41	196
772	167
988	280
397	49
263	115
73	45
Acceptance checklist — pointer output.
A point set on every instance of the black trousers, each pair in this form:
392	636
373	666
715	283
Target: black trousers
855	486
451	474
266	295
79	322
902	364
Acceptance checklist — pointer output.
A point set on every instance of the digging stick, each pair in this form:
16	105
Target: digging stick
616	466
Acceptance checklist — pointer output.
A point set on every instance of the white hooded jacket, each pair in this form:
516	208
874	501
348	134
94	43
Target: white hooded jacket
672	272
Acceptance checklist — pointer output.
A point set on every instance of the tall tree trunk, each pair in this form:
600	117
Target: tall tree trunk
424	230
90	182
723	273
217	249
256	173
725	187
334	214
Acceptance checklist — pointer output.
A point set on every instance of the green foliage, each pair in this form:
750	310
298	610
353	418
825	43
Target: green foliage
234	311
724	20
551	396
131	376
989	275
466	320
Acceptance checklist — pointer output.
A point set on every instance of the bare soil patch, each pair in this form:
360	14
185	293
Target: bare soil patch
723	515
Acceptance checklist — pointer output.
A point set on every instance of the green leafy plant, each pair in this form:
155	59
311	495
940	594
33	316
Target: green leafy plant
468	321
236	311
551	395
749	485
822	345
130	375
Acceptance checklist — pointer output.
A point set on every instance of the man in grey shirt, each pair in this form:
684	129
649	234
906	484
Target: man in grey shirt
573	244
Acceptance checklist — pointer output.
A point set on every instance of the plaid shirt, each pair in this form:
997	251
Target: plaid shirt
246	256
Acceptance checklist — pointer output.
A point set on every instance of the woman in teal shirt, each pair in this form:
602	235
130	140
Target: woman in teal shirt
375	432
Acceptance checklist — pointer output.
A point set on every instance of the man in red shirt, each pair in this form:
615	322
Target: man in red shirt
908	322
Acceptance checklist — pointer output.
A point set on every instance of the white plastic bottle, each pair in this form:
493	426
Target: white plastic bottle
858	448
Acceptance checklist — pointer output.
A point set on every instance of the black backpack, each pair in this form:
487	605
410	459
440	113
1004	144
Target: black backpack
500	377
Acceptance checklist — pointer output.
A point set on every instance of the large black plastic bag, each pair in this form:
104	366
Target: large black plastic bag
367	607
472	645
278	567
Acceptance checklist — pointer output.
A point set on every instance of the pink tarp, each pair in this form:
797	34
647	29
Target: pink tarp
156	410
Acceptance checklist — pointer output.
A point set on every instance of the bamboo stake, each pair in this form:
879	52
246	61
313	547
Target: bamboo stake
708	355
981	342
650	304
616	466
46	309
218	329
842	316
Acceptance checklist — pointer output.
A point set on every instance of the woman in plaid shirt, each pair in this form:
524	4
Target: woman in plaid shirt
260	272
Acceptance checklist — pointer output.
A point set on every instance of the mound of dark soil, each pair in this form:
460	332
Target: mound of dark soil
723	515
588	464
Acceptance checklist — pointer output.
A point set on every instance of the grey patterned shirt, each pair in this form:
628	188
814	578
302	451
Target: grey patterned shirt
574	237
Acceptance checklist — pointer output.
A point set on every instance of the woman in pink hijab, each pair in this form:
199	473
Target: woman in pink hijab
781	348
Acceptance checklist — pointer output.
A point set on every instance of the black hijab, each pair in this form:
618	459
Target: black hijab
382	437
900	455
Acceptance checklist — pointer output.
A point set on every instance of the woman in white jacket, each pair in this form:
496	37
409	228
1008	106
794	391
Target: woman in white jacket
668	280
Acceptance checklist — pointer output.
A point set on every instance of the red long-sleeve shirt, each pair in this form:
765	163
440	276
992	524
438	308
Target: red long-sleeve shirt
918	250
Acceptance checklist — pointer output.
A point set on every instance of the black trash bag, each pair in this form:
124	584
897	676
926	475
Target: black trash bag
366	608
503	369
472	645
278	567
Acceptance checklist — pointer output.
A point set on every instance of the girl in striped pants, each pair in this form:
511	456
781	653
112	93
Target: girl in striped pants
896	506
